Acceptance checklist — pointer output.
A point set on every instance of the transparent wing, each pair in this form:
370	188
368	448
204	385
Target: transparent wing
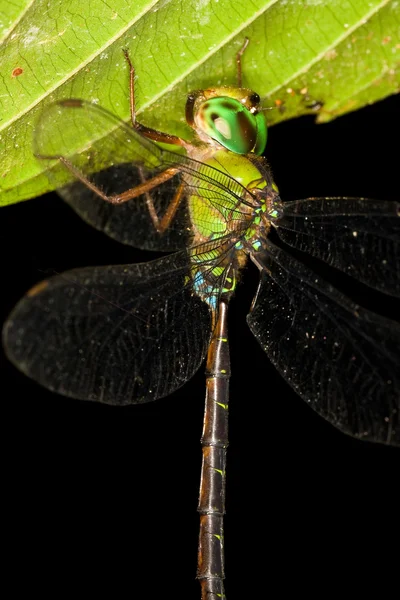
343	360
90	138
130	223
116	334
360	237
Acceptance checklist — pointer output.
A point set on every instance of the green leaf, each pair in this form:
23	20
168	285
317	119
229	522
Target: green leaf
322	56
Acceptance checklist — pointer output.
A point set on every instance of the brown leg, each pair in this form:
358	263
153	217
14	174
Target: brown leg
131	88
140	189
152	134
163	224
239	61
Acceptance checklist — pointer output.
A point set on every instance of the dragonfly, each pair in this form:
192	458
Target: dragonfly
129	334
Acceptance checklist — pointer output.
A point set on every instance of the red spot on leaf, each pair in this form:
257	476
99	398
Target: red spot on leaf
16	72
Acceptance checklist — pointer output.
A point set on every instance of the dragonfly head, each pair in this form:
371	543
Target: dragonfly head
230	116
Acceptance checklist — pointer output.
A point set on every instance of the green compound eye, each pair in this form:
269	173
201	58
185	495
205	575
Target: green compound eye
231	124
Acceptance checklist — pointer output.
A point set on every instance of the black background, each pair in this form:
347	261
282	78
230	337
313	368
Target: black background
103	500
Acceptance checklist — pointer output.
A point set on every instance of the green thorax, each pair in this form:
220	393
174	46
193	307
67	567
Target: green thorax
214	212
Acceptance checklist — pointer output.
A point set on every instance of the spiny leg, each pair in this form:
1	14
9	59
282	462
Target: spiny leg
140	189
143	188
132	104
152	134
163	224
239	61
172	208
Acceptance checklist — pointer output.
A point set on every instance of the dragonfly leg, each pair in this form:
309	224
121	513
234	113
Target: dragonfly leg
239	61
152	134
160	225
140	189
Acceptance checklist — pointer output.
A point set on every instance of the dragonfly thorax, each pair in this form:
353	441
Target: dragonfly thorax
216	212
229	116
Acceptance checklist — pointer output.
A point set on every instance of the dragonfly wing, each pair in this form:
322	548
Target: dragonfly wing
112	156
360	237
341	359
130	223
116	334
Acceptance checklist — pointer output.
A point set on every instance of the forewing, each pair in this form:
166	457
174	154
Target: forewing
360	237
116	334
130	223
90	137
341	359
